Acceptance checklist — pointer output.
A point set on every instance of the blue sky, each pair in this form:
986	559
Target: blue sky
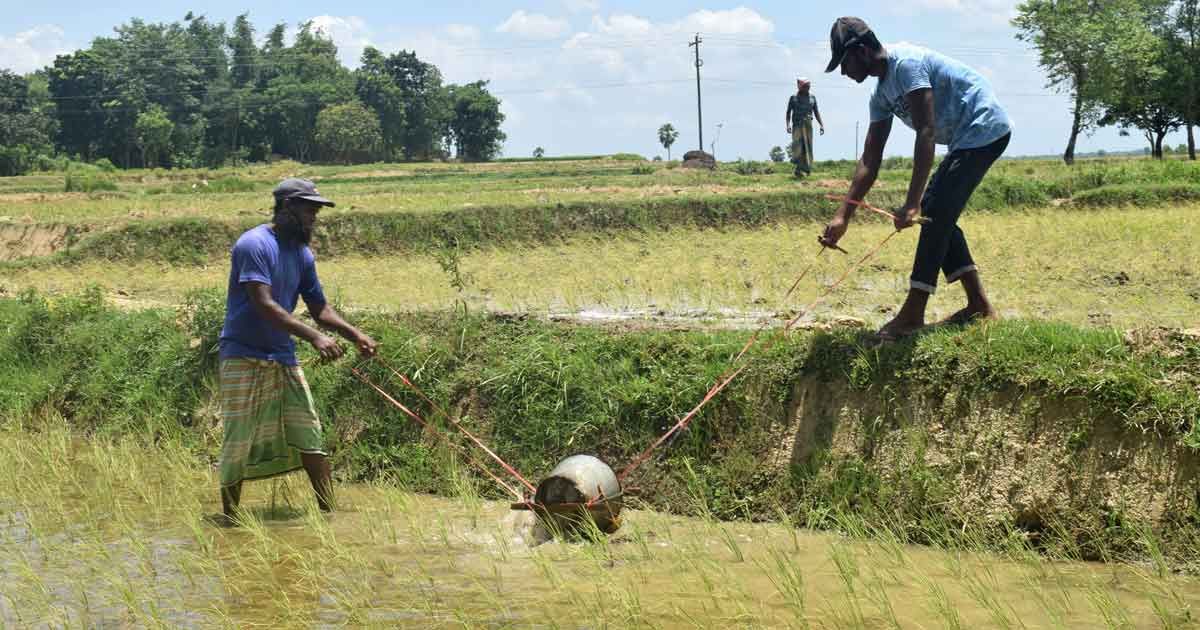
600	76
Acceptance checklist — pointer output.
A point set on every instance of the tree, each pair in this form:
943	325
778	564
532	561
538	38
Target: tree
777	154
1184	44
377	89
1146	99
1083	45
475	122
539	153
244	70
310	78
26	127
78	81
348	133
427	109
154	131
667	136
225	97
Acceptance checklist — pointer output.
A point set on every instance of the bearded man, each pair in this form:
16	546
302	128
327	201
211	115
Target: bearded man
270	424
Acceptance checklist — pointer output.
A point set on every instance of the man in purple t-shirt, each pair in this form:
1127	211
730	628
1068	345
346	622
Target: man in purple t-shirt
270	424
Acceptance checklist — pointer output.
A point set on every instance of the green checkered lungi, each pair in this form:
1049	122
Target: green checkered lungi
269	419
802	145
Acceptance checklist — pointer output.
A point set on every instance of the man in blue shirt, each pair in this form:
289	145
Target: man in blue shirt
270	424
944	102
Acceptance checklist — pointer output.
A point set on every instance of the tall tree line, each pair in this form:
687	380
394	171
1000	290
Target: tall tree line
1133	64
198	93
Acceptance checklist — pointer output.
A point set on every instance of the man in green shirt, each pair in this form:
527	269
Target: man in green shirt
801	108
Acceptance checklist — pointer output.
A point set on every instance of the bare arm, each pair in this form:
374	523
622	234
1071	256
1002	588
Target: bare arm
327	317
920	103
817	114
868	165
864	177
787	116
277	316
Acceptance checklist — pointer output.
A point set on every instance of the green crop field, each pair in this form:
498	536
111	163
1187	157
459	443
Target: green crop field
584	306
1106	243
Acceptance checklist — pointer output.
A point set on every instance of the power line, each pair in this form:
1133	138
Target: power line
589	43
782	84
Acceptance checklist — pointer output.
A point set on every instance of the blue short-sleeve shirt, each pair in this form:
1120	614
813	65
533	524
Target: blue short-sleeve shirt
290	269
966	112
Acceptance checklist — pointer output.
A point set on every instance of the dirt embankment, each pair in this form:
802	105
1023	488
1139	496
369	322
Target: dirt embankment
1010	459
27	240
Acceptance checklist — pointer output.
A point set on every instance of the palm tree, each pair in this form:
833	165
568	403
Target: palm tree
667	136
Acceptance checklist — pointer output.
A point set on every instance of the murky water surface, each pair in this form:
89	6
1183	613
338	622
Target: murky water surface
105	533
395	559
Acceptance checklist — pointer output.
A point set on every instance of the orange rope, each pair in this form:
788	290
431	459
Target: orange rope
728	377
864	204
512	471
437	433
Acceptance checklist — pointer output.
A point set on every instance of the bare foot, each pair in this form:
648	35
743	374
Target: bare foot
899	328
970	314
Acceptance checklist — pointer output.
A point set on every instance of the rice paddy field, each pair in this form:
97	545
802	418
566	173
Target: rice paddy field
1101	261
643	278
114	533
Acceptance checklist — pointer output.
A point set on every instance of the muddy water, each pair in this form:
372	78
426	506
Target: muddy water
395	559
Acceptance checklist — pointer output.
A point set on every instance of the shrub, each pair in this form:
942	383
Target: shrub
1137	195
893	163
87	183
997	191
628	157
751	167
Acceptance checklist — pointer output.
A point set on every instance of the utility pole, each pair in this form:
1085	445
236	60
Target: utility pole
856	141
237	121
699	111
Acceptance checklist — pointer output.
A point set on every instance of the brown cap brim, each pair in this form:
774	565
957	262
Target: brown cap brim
836	60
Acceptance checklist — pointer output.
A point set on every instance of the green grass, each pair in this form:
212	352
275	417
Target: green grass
1139	195
352	230
84	545
188	216
393	188
539	392
1069	255
1042	264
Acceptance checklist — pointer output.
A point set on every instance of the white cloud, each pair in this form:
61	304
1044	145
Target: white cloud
350	33
739	21
534	26
32	49
461	55
622	25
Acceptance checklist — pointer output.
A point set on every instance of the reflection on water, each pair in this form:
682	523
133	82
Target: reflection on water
394	559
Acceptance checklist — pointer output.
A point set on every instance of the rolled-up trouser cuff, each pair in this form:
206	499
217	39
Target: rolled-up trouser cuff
960	272
928	288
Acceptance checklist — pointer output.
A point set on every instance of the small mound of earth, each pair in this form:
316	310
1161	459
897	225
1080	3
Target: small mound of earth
835	184
699	159
1169	342
20	240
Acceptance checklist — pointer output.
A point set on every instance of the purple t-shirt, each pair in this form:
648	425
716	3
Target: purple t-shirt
291	271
